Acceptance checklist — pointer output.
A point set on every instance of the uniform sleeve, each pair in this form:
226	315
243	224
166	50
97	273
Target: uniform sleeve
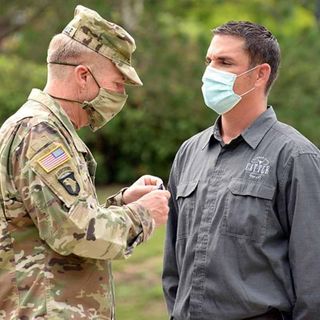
116	199
170	276
145	225
60	197
300	203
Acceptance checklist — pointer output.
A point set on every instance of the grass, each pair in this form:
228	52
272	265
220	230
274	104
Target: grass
138	279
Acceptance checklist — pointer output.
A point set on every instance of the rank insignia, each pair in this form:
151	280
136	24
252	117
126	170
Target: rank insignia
70	183
53	159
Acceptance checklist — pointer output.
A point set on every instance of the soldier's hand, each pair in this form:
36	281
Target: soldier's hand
142	186
157	204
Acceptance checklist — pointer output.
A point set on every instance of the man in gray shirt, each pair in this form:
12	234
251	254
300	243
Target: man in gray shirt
243	232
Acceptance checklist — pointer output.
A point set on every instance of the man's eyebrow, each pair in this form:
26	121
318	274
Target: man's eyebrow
225	58
219	58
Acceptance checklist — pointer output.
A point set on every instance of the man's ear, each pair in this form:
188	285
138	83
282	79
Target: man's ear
263	75
81	75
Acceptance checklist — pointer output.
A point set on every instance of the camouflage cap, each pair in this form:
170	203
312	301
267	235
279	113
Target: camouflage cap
105	38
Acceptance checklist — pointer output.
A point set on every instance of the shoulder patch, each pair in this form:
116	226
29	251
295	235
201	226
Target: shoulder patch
54	158
70	183
56	162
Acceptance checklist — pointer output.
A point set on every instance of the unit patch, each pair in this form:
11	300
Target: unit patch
53	159
70	183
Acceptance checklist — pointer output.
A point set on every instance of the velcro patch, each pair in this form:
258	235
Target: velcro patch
54	159
69	30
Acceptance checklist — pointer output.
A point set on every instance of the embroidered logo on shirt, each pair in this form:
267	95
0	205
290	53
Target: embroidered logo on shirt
258	167
53	159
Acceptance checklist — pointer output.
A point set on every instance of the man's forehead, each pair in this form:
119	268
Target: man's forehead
226	45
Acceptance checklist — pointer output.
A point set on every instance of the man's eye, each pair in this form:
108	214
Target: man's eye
207	61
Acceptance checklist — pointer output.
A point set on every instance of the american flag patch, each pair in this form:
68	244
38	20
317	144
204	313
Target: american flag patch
53	159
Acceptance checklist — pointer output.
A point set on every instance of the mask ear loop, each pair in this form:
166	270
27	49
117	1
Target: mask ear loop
63	63
64	99
239	75
94	78
72	65
243	94
75	65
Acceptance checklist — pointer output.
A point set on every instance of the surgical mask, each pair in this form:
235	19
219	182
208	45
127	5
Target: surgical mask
103	107
217	89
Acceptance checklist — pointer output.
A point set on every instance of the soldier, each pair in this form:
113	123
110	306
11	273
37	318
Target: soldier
56	240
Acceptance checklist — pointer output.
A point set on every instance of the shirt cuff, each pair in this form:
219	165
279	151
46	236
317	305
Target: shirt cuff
116	199
146	220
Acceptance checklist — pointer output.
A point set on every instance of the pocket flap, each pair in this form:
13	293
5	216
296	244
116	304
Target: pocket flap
185	189
246	188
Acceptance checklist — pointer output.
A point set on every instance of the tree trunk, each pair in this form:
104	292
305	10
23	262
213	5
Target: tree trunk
131	12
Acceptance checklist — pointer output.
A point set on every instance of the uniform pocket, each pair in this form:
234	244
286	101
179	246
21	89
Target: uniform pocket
186	197
246	210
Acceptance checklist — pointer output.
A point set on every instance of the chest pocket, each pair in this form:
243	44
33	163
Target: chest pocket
186	197
246	210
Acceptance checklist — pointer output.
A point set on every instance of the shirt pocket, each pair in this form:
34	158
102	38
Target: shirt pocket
185	197
246	210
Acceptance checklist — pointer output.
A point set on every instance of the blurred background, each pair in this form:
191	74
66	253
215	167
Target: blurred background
172	38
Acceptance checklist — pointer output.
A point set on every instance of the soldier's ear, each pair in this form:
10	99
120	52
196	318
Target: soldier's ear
81	75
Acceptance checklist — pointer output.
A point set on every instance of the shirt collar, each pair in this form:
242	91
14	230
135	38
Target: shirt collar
213	133
258	129
252	135
59	113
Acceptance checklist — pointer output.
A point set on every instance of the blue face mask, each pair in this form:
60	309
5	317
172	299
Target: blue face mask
217	89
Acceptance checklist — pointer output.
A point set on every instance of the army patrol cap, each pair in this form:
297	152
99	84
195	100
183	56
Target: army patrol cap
105	38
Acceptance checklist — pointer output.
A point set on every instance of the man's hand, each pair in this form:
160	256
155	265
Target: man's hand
157	203
142	186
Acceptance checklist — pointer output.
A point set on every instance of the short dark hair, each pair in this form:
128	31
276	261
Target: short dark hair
260	43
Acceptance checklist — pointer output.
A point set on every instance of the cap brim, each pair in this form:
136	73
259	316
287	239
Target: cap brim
132	77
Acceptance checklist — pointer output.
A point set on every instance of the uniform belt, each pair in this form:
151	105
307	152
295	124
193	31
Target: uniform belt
273	314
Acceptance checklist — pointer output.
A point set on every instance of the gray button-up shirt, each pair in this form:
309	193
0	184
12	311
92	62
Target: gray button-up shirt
244	226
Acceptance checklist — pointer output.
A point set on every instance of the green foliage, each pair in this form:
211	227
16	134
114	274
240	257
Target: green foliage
17	77
172	39
296	95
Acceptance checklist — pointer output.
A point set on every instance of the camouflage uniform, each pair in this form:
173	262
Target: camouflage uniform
56	240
